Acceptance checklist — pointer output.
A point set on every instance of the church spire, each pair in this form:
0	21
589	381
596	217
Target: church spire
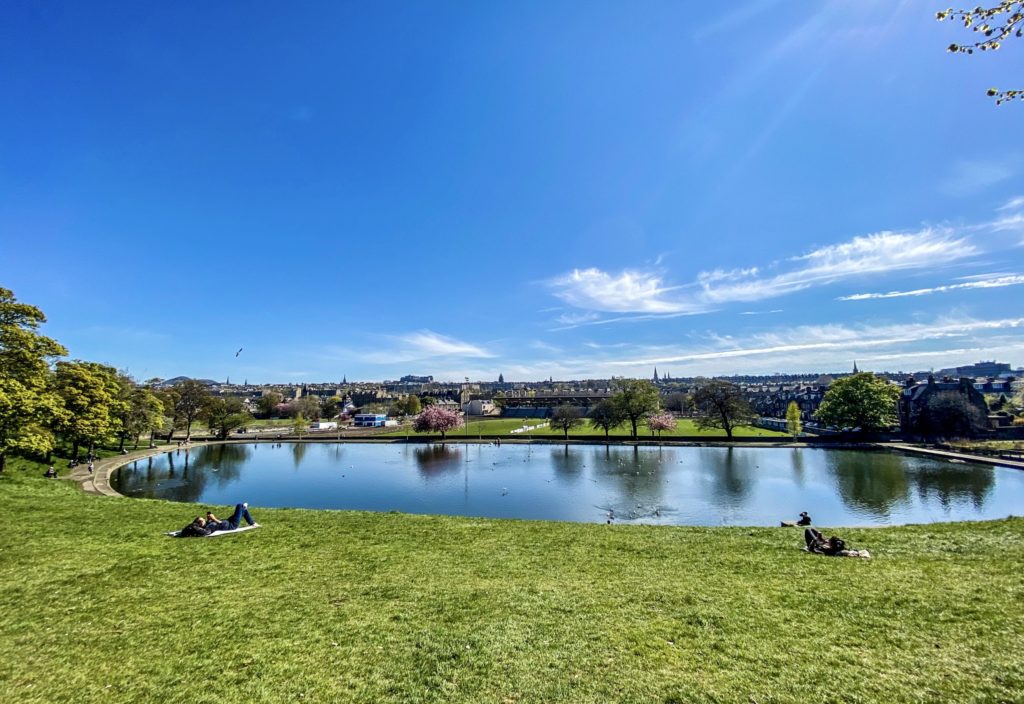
855	367
655	375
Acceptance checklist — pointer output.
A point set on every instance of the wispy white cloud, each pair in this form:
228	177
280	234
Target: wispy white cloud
1015	203
996	282
647	293
626	292
423	344
952	340
970	177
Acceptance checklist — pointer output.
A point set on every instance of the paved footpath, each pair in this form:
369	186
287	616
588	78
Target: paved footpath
98	482
949	455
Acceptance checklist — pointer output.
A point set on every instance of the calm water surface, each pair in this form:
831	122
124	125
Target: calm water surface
663	485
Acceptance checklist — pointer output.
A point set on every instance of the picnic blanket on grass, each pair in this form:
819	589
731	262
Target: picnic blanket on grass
217	533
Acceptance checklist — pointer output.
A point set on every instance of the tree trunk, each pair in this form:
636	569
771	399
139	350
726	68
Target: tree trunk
3	461
566	433
121	446
74	450
606	434
632	421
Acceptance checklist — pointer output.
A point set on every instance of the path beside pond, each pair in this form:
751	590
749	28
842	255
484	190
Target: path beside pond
950	455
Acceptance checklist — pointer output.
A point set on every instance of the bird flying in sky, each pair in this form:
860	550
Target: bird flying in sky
239	351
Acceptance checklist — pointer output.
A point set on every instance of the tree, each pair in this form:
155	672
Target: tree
720	405
948	414
993	25
565	418
793	424
299	425
329	407
191	398
225	414
634	399
406	406
306	406
268	403
860	401
141	411
678	402
657	422
28	404
605	415
90	394
435	419
428	401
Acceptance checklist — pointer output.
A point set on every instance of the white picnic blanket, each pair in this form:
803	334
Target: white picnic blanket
218	533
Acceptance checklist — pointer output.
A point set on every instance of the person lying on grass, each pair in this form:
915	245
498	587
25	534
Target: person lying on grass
205	526
833	546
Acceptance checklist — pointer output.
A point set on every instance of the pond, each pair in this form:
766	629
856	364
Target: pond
588	483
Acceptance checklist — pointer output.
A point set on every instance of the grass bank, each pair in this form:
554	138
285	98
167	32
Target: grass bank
539	427
316	606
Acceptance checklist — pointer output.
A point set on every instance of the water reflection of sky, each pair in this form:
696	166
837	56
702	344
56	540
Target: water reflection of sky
591	483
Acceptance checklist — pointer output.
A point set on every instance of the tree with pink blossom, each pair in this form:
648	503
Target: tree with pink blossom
435	419
660	421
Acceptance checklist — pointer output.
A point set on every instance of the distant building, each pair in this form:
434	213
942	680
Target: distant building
979	369
411	379
371	420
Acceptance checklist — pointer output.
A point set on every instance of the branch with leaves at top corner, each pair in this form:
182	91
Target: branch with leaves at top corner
995	24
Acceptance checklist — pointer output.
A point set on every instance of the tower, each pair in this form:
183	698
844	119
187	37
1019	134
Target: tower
855	367
655	375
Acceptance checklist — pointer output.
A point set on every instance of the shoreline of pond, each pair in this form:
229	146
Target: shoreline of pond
99	481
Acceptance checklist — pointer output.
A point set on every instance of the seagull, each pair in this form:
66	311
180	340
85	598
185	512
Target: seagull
239	351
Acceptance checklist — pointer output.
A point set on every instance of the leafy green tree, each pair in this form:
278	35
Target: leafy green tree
306	406
141	411
565	418
720	405
605	415
634	399
224	414
428	401
678	402
992	25
93	407
862	401
299	425
268	402
329	407
28	403
190	399
793	423
406	406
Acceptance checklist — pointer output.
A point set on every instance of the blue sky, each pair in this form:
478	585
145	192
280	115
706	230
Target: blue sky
536	189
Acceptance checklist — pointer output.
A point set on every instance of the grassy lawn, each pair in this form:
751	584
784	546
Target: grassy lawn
317	606
505	426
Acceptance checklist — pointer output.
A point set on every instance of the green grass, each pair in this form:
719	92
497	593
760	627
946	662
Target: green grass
317	606
504	426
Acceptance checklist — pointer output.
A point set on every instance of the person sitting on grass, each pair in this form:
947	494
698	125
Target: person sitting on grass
817	543
201	527
834	546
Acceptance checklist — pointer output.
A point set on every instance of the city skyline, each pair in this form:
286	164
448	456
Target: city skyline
534	191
